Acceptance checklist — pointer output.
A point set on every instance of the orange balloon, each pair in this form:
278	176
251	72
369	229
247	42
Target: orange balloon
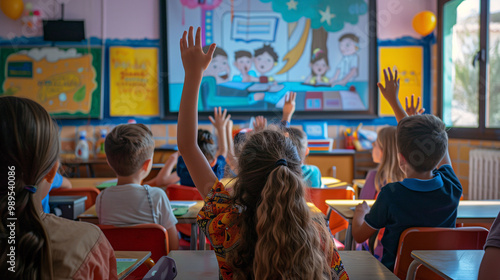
424	23
12	8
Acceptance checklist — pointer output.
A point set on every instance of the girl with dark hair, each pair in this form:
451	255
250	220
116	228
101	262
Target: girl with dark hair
33	244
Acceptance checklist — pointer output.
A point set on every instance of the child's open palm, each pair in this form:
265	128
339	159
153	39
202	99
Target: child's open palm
391	89
220	118
193	58
413	109
289	107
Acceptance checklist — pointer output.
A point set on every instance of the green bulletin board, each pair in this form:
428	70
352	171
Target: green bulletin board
65	81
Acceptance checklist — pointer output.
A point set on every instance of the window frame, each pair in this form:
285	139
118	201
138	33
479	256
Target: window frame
481	132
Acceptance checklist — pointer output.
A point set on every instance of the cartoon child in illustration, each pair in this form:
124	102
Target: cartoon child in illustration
348	66
219	67
243	62
264	60
319	67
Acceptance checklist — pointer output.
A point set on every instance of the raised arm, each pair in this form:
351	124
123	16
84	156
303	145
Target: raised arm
219	121
289	107
194	62
231	157
390	91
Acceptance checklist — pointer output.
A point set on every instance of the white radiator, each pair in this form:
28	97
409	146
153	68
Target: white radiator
484	174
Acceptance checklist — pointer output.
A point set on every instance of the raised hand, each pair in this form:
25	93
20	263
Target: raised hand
413	109
391	89
220	118
260	123
289	107
194	60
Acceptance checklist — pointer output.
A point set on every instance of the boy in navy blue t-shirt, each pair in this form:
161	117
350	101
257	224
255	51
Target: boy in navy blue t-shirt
429	195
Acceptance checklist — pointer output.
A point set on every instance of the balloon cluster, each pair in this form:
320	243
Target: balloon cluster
32	19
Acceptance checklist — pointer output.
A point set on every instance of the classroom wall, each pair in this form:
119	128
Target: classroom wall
136	23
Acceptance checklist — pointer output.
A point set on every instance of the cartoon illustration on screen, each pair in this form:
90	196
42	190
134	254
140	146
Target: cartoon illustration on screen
347	69
268	48
243	61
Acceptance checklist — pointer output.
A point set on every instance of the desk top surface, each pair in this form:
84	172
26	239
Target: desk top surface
203	265
467	209
88	182
188	218
362	265
140	256
195	265
451	264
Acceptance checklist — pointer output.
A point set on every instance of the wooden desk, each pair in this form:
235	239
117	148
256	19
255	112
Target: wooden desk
195	265
362	265
203	265
469	211
75	163
449	264
90	216
140	256
88	182
342	159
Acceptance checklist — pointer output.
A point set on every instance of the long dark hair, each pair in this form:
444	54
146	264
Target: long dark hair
29	144
279	239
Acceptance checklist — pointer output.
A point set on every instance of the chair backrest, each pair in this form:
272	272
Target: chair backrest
179	192
144	237
432	238
90	192
318	196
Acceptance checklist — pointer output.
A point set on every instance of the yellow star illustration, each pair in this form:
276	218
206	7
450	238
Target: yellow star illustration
292	5
326	15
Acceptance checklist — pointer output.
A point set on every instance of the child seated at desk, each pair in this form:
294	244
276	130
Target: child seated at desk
129	151
489	264
385	153
59	182
429	195
46	246
310	173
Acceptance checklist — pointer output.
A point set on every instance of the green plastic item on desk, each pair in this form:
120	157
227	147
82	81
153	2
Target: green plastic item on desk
179	210
123	264
105	185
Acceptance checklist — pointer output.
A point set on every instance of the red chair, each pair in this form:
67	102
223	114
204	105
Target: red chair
179	192
319	196
432	238
91	193
144	237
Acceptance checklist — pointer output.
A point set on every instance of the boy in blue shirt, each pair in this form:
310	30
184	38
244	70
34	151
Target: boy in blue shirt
429	195
58	182
311	173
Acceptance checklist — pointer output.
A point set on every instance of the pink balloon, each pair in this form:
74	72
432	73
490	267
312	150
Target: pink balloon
195	3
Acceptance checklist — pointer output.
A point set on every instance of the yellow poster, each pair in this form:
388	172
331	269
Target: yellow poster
408	61
133	81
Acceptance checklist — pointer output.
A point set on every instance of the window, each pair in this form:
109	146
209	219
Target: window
469	60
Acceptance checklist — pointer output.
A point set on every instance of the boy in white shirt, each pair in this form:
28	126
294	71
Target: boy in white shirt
129	152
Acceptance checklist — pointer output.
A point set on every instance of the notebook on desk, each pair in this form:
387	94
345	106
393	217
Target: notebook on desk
180	207
107	184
